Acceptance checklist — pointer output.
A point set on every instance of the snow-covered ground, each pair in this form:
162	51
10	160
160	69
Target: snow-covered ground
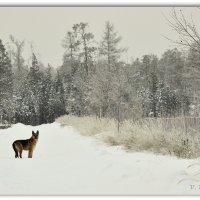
66	163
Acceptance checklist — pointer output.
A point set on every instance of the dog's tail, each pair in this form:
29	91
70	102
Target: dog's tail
13	145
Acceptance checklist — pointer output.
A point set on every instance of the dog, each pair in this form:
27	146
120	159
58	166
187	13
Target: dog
27	145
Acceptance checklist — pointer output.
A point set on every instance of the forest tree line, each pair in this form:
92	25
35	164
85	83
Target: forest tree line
94	80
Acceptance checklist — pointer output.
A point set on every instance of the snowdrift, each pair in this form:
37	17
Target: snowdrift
66	163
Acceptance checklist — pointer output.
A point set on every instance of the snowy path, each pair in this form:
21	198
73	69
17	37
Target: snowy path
67	163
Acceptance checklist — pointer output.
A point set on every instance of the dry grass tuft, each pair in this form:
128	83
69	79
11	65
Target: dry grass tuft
178	137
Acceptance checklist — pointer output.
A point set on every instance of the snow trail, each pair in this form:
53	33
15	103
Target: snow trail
66	163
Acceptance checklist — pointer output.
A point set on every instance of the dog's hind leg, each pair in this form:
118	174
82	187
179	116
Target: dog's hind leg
15	150
20	153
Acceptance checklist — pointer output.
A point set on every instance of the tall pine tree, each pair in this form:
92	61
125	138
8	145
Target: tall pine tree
6	85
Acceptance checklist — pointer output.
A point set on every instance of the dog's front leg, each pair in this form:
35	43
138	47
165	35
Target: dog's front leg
30	154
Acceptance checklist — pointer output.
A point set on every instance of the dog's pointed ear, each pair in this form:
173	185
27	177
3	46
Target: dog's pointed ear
32	132
37	132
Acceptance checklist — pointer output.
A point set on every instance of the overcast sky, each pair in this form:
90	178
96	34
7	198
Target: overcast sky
142	28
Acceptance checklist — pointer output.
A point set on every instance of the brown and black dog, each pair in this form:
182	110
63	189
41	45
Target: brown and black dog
28	145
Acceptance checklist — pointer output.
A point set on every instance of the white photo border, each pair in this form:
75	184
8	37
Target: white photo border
94	3
99	3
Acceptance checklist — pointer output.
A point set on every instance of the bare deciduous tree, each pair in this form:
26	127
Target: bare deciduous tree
186	29
17	51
